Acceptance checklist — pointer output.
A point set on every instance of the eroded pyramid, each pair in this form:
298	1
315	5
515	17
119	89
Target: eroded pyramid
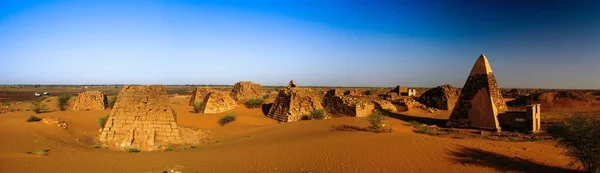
217	102
294	102
199	94
480	100
246	90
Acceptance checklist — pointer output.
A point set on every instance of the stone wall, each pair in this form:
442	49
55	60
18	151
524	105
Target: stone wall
293	102
246	90
442	97
344	105
199	94
142	118
89	100
217	102
353	92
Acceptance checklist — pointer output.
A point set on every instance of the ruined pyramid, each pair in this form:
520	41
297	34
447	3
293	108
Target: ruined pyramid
199	94
89	100
217	102
480	101
293	102
142	118
244	90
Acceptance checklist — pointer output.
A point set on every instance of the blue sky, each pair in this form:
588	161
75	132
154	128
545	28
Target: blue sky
332	43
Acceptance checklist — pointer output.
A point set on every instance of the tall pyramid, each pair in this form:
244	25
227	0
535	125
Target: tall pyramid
480	101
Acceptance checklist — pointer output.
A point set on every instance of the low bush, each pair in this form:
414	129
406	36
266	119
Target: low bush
111	101
580	134
368	92
38	106
63	102
169	149
42	152
226	119
266	97
318	114
132	150
102	120
376	120
198	106
254	102
33	118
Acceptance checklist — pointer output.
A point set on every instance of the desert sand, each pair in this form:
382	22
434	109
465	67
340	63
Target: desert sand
256	143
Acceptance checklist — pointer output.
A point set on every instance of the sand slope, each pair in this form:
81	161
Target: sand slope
255	143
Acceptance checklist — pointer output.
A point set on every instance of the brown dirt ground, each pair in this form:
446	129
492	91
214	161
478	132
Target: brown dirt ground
255	143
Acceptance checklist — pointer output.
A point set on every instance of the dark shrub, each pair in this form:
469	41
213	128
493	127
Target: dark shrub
580	134
38	106
111	101
318	114
226	119
33	118
198	106
63	102
369	92
102	120
376	120
254	102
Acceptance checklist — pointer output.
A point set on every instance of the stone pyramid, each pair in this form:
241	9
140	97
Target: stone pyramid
246	90
480	101
89	100
142	118
217	102
294	102
199	94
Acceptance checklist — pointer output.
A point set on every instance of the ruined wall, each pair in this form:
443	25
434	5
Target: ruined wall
384	105
400	90
442	97
343	105
246	90
217	102
292	103
353	92
141	118
89	100
199	94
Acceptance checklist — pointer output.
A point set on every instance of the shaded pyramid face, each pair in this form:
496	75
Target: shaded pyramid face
480	101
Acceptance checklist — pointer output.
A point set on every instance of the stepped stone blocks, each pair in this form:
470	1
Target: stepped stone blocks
353	92
199	94
217	102
89	100
384	105
480	100
246	90
293	103
141	118
442	97
400	90
345	105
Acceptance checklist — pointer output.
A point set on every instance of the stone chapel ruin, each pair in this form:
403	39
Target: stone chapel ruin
141	118
293	102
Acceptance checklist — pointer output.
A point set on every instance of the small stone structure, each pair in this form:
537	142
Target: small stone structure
442	97
89	100
199	94
412	92
353	92
292	103
480	100
344	105
337	103
217	102
529	120
142	118
400	90
246	90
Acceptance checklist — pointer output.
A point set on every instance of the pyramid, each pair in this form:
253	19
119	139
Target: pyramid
442	97
217	102
199	94
89	100
142	118
246	90
480	100
294	102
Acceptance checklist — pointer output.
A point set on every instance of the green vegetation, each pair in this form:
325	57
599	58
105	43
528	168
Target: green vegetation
318	114
227	118
42	152
38	106
168	149
424	129
63	102
132	150
266	97
580	134
368	92
111	101
376	120
198	106
102	120
33	119
254	102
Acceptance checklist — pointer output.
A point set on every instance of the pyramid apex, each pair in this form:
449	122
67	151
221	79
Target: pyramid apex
481	66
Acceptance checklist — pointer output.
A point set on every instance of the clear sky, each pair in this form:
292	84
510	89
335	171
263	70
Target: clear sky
541	44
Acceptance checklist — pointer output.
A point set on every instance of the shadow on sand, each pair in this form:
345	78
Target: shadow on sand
422	120
265	108
502	163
